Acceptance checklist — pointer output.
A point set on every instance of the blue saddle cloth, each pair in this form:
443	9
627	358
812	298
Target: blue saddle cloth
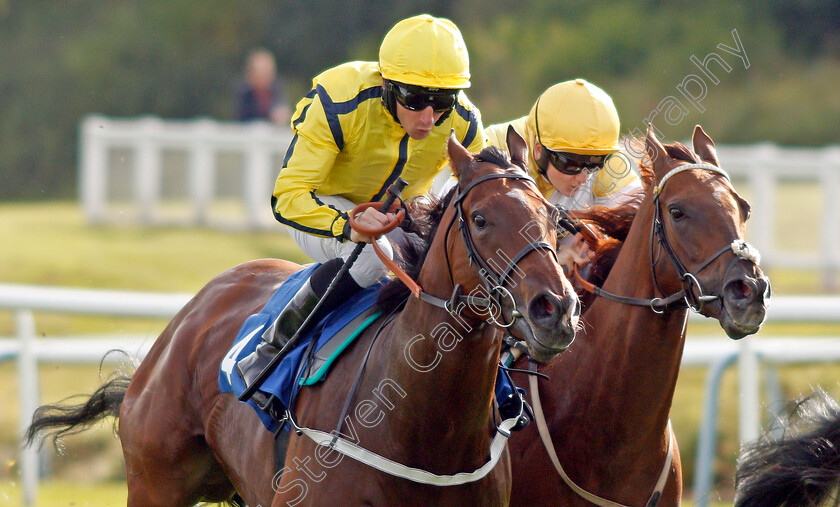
282	382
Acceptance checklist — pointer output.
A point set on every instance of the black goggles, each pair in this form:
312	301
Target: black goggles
418	98
574	164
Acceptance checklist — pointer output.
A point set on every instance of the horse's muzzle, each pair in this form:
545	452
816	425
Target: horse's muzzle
553	321
745	301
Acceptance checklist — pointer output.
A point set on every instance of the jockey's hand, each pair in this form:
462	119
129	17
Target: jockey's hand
578	252
371	219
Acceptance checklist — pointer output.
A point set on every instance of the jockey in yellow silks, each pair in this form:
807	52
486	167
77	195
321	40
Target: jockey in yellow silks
572	134
360	127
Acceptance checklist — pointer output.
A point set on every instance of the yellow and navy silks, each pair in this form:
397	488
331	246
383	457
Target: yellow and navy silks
613	178
346	143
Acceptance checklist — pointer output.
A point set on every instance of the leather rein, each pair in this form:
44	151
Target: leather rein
492	280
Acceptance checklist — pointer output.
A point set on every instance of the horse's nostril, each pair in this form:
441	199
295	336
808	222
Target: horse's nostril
543	307
743	289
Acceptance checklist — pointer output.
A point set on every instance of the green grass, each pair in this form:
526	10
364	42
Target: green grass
49	244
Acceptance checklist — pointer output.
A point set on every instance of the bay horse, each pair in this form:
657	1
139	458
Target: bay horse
608	400
799	468
424	398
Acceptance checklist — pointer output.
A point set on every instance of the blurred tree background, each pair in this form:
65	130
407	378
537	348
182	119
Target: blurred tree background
181	59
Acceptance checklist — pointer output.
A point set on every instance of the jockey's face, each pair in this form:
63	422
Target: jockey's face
566	184
418	124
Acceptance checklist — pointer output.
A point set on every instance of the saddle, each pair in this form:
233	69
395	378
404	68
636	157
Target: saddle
313	356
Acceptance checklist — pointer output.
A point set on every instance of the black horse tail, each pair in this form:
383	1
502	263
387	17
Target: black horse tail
801	468
64	419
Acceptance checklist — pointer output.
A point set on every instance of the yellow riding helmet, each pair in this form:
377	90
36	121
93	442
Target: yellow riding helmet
425	51
576	117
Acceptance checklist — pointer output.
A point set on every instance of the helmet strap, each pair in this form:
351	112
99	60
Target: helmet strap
389	100
542	162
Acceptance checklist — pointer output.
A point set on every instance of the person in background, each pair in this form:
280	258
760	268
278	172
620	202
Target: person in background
572	136
261	95
360	127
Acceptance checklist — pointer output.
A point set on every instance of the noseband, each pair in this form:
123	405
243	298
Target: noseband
492	280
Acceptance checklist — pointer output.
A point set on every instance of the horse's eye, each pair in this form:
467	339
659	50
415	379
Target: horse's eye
479	221
676	213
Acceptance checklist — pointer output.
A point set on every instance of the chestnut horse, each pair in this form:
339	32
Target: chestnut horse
423	398
608	399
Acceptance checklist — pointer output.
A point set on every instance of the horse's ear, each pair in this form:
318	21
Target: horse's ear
518	148
654	148
704	146
458	156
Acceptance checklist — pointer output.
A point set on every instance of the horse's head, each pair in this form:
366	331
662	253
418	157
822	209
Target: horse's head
507	248
699	226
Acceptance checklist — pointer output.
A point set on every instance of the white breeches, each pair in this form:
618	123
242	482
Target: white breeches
367	269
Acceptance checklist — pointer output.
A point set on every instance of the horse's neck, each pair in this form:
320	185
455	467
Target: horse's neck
624	370
450	364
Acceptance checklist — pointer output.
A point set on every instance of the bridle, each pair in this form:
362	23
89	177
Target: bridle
492	281
691	295
692	292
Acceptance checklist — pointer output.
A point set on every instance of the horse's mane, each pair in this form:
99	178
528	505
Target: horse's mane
493	155
799	467
426	212
612	226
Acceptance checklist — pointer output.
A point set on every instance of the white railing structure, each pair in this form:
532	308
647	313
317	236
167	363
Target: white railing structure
151	161
23	300
719	353
765	167
156	171
716	353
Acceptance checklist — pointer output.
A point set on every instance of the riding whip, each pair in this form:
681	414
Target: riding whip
394	192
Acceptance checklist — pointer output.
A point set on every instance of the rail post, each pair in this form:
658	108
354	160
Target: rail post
28	389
